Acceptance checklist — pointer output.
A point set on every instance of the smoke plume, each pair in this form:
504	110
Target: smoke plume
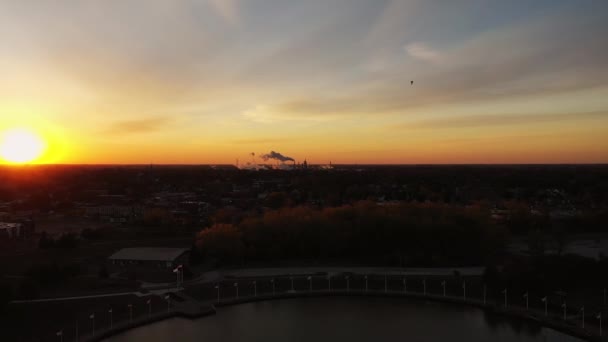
276	156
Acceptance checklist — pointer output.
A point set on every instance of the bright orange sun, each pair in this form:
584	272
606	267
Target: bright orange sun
21	146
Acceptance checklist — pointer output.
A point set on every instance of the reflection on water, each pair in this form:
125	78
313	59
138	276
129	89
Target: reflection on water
345	319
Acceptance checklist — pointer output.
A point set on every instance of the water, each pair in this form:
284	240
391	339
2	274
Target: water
344	319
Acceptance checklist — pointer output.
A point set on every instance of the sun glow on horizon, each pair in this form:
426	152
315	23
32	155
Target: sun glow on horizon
21	145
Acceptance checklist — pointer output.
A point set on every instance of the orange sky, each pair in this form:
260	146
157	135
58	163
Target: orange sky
212	81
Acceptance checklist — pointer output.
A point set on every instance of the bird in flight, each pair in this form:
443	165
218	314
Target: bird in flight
412	82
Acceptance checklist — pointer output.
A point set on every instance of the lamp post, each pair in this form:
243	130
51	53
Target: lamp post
583	316
365	283
236	285
149	302
404	285
217	287
565	310
526	297
168	299
443	285
464	291
599	316
92	317
544	300
505	293
309	283
60	335
385	283
424	286
292	289
347	283
111	318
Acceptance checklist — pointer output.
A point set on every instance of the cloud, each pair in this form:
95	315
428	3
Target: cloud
262	141
505	120
138	126
422	52
227	9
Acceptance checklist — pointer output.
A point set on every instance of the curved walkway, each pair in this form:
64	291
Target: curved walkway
192	308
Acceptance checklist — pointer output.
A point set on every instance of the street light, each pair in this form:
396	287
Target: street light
236	285
60	334
92	317
168	298
149	302
526	297
599	316
544	300
292	288
217	287
365	283
505	293
111	320
565	310
404	285
385	283
443	285
424	286
347	283
309	283
464	290
583	313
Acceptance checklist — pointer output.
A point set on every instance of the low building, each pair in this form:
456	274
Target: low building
148	258
16	230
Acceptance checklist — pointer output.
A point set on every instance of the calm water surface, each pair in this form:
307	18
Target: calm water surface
344	319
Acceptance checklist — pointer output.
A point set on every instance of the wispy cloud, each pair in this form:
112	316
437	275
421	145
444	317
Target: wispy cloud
138	126
505	120
227	9
422	52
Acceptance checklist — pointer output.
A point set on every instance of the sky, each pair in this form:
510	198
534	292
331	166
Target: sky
210	81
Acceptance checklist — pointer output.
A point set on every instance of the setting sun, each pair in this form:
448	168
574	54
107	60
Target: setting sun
21	146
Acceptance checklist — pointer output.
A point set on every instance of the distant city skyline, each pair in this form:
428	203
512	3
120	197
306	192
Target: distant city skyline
210	81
